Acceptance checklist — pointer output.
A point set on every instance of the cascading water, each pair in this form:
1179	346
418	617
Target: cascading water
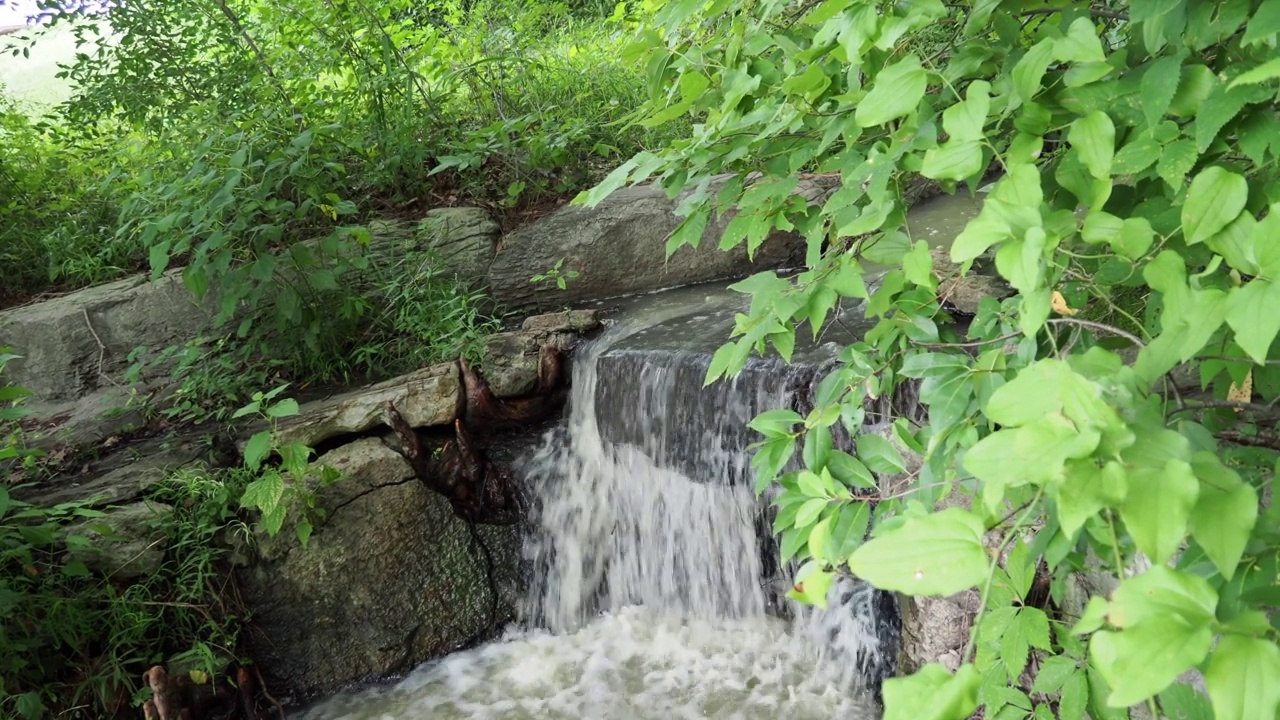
653	590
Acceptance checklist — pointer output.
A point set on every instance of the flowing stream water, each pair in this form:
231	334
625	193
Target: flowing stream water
654	591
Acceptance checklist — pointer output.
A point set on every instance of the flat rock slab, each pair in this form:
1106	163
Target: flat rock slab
389	579
424	397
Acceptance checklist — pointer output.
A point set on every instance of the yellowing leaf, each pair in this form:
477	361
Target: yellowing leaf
1244	392
1059	305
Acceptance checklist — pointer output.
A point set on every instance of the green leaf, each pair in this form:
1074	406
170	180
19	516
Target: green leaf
1176	162
257	449
1242	679
849	530
964	121
1143	660
1029	71
1269	70
879	455
1159	84
1085	489
812	584
849	470
1264	24
937	554
1054	673
285	408
895	92
303	531
1251	313
953	160
775	423
1218	109
1136	156
1224	514
1161	593
1158	507
1215	198
1182	702
1081	44
932	693
1075	697
1094	137
689	231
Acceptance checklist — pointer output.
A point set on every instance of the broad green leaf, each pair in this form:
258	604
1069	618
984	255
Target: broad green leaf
1242	678
896	91
1215	198
937	554
775	423
688	232
1224	514
1183	702
1054	673
879	454
1075	697
818	537
964	120
849	470
1029	71
1251	313
1158	507
1081	44
1085	489
978	235
932	693
1094	138
953	160
285	408
809	511
257	449
1144	659
1159	594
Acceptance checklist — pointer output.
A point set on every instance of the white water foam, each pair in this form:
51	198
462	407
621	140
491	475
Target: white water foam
649	596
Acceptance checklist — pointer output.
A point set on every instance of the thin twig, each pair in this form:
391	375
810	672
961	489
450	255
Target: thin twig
974	344
1101	327
262	687
102	348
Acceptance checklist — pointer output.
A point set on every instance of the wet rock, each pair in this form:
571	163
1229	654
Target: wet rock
127	543
389	579
569	321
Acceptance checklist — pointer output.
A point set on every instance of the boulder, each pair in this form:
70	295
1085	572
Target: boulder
618	248
389	579
463	238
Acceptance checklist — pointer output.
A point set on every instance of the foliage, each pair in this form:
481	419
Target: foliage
274	489
1136	158
556	275
75	637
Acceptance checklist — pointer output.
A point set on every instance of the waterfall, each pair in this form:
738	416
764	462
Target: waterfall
654	587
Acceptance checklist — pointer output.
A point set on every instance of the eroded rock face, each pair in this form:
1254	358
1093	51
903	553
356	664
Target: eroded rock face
389	578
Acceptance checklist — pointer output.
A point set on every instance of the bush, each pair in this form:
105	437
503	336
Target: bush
1134	146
